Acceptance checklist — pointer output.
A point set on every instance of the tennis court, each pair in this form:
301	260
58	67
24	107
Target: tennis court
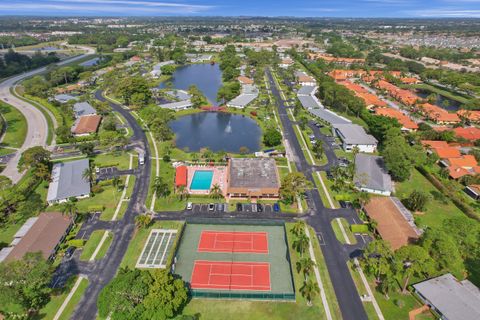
157	248
254	276
241	259
241	242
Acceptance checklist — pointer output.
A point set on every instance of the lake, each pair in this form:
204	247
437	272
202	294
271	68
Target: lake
442	101
216	130
207	77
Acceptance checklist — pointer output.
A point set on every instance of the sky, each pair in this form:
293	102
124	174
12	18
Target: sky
294	8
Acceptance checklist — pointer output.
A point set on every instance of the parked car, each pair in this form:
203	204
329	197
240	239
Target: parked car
254	207
69	252
221	207
189	206
329	175
211	207
239	207
259	207
276	207
312	137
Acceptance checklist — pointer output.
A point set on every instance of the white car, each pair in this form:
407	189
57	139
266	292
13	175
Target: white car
189	206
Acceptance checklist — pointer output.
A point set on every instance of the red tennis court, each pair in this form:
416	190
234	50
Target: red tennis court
239	242
225	275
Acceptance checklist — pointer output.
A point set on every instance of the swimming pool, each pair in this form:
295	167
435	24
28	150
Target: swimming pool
202	179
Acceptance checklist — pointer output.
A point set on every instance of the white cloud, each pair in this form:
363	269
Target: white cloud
446	13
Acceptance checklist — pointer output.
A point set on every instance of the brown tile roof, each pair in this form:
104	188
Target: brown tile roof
438	114
43	236
434	144
245	80
391	225
87	124
469	133
403	119
448	152
472	115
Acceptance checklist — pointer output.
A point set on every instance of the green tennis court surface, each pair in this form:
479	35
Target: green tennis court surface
157	248
261	274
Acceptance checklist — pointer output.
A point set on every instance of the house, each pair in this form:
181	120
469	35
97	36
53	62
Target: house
473	191
244	80
450	298
395	223
83	109
469	133
86	125
39	234
157	69
407	123
178	105
353	135
330	59
471	115
461	166
305	80
285	63
248	94
67	181
371	175
439	115
254	178
64	98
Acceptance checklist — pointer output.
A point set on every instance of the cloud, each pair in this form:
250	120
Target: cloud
445	13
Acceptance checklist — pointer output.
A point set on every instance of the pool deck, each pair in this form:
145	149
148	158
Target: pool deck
219	177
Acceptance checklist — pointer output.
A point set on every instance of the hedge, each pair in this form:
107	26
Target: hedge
359	228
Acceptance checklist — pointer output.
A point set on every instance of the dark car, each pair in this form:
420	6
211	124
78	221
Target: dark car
276	207
342	203
259	207
239	207
69	252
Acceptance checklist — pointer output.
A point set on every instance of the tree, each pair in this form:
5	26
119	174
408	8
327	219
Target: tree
134	90
387	283
32	157
298	228
88	174
272	137
300	243
362	198
166	296
123	297
412	260
317	149
87	148
306	266
143	221
42	172
417	200
302	122
397	155
293	186
196	96
216	192
309	290
377	258
63	133
70	208
169	69
160	188
25	283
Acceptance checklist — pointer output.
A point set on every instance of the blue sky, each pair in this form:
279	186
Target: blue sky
298	8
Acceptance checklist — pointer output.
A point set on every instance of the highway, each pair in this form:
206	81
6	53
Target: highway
37	130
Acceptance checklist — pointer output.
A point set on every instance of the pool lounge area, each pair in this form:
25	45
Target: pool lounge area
201	178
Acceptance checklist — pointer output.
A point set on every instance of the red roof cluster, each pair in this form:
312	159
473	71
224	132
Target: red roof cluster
402	118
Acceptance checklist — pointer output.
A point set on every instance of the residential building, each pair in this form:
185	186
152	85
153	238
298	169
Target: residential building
469	133
371	175
394	222
473	191
83	109
354	135
40	234
253	178
67	181
305	80
437	114
472	115
86	125
64	98
285	63
157	68
407	123
177	105
244	80
450	298
248	94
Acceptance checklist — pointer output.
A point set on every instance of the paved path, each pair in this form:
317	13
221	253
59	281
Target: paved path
37	130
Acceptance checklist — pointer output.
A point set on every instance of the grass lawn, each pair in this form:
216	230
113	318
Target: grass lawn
107	215
140	237
92	245
16	126
438	208
5	151
121	160
57	298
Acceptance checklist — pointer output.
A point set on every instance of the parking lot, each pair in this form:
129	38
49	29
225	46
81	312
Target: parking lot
239	207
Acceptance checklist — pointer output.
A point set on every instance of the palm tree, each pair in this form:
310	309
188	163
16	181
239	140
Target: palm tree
363	198
216	192
142	221
305	265
160	188
69	208
88	174
298	228
115	183
182	192
309	290
301	243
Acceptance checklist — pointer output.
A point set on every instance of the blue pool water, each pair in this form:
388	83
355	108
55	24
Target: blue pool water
201	180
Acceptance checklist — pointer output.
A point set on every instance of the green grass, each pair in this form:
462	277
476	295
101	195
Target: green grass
92	244
348	232
5	151
445	93
57	298
140	237
438	208
121	160
107	215
338	232
16	126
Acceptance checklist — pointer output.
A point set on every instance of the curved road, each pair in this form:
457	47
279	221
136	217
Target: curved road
37	130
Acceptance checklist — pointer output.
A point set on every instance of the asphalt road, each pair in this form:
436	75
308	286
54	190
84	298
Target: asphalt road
37	126
100	273
320	219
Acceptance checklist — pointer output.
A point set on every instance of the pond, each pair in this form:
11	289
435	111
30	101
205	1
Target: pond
91	62
442	101
207	77
218	131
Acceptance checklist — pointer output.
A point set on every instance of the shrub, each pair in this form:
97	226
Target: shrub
359	228
97	188
78	243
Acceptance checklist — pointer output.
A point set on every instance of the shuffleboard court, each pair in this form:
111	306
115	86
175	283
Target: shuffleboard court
225	275
233	241
157	249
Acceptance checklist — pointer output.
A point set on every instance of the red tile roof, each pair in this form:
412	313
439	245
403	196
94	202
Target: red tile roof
469	133
403	119
434	144
245	80
437	114
448	152
181	174
87	124
472	115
